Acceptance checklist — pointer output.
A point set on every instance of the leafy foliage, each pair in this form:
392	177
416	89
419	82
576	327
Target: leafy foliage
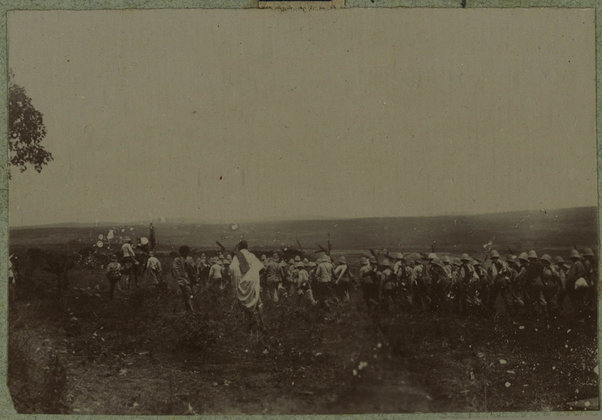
26	131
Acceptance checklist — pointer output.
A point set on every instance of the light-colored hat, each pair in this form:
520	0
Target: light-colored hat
432	256
291	261
364	261
547	258
446	260
399	256
558	259
299	264
532	255
587	252
385	262
465	257
372	259
495	254
511	258
297	258
523	256
575	254
342	259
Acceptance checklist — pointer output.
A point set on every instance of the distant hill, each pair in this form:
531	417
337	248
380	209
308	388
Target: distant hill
521	230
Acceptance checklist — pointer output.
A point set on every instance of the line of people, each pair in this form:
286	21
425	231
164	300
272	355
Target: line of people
528	285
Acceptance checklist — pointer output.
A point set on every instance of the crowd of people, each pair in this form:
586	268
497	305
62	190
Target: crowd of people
525	284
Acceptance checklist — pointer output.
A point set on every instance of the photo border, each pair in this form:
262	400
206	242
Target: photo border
6	405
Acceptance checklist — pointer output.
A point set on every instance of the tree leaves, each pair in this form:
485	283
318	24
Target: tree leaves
26	132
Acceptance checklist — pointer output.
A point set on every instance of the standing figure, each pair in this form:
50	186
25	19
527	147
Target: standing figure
576	284
129	263
551	284
113	272
342	279
180	274
245	271
153	267
324	272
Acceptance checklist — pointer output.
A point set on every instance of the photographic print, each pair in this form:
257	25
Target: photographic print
351	211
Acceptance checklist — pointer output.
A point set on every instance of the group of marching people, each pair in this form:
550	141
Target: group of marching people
528	285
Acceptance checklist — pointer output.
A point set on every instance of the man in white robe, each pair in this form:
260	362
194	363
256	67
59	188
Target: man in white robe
244	271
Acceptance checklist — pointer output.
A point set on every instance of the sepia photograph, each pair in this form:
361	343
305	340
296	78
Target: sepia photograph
257	211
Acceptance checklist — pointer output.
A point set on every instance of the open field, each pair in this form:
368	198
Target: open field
141	354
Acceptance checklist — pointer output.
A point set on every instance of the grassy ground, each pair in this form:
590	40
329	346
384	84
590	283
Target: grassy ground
141	354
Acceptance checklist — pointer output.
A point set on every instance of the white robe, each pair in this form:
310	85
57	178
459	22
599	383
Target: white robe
247	285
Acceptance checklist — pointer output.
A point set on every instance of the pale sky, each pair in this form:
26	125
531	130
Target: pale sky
349	113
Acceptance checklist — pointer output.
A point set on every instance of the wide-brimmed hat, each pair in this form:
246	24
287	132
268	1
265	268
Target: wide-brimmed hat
587	252
510	258
532	255
445	260
297	258
575	254
384	262
547	258
364	261
465	257
523	256
495	254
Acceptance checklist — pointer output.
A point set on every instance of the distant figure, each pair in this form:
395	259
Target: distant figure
245	269
13	269
113	272
273	277
180	274
215	274
153	265
129	263
343	278
324	272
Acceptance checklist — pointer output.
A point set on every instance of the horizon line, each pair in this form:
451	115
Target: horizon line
189	220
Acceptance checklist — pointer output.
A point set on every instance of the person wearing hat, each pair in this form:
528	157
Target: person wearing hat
215	274
342	279
533	285
591	275
129	263
324	273
113	272
466	286
551	284
496	283
202	269
440	284
273	277
403	273
574	278
303	285
422	282
386	282
509	289
561	268
368	281
153	268
180	274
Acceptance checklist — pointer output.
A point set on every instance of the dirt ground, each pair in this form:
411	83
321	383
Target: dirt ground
142	354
